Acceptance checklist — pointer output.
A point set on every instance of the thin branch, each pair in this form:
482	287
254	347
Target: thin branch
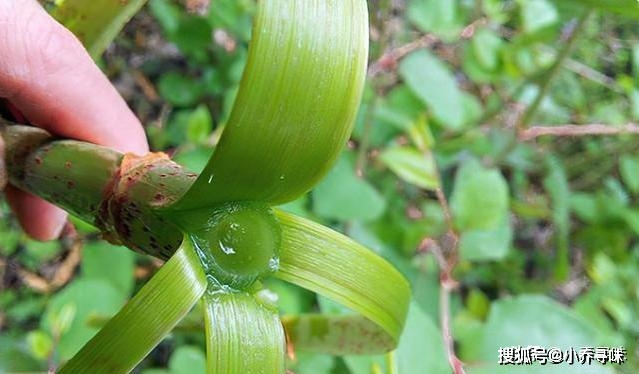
577	130
388	61
544	84
446	257
593	75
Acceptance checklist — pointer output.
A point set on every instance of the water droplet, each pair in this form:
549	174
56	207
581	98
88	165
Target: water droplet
274	264
282	177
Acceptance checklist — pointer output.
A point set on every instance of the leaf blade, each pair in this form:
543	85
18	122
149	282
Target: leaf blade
233	320
98	22
326	262
170	294
296	104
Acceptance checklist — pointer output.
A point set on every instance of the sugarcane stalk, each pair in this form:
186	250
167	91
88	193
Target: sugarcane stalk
121	194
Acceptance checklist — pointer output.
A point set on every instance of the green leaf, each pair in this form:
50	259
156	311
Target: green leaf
80	300
199	124
326	262
435	85
634	103
187	360
242	335
166	13
490	244
96	23
40	344
531	320
192	36
556	183
15	359
413	166
435	16
421	348
480	197
129	336
101	260
626	8
313	363
344	196
179	90
296	104
486	45
537	15
629	170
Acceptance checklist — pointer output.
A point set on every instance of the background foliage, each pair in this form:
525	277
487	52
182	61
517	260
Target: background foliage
516	239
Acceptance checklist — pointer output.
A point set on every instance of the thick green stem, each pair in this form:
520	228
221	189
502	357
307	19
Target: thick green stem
120	194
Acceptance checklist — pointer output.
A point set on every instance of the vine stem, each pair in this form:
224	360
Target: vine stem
544	84
577	130
446	257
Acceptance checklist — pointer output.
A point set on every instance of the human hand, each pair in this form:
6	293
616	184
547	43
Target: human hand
48	79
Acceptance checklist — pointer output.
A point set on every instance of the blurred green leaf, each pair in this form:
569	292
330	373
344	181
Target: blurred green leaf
634	103
487	46
531	320
486	244
412	166
187	360
101	260
556	184
166	13
14	358
537	15
313	363
421	348
87	297
40	344
627	8
342	195
629	170
480	197
199	124
194	159
478	303
432	81
438	17
179	90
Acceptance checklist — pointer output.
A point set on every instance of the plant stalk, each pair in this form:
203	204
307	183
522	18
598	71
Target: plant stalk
121	194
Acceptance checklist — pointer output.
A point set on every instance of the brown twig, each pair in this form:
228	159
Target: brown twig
65	270
446	257
388	61
577	130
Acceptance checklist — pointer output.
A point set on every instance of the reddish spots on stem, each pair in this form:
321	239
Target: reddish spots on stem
38	160
70	184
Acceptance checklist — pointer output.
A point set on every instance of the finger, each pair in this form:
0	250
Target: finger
46	73
40	219
3	167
